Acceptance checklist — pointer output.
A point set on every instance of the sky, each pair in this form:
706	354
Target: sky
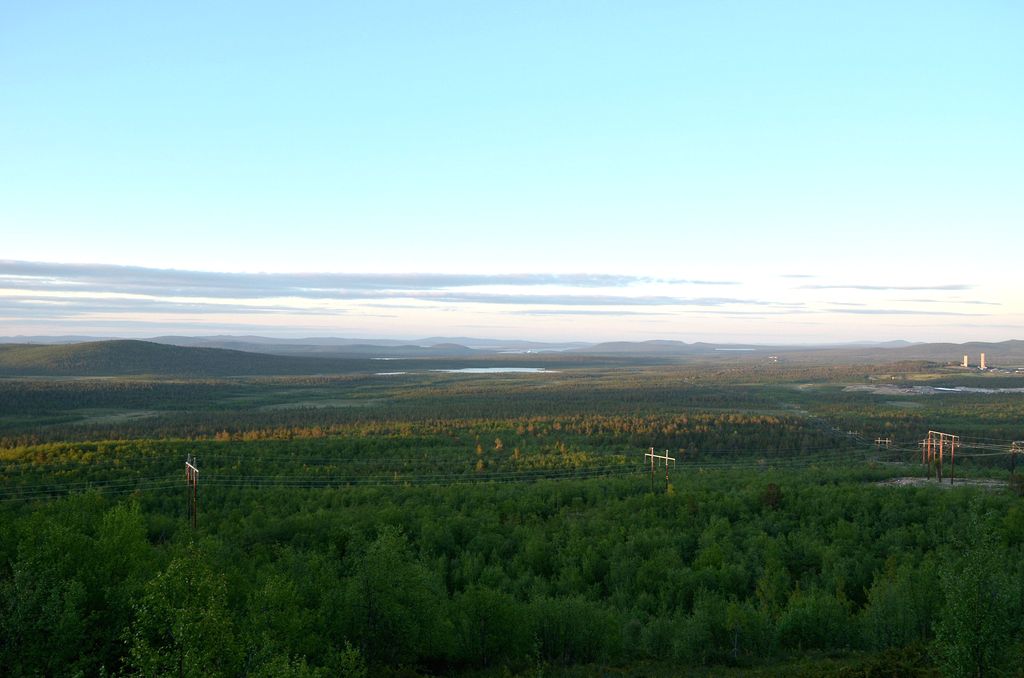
731	171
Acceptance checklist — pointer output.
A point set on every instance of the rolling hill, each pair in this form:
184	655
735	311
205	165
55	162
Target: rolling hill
449	347
127	357
309	348
661	347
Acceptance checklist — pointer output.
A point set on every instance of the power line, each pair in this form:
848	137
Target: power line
56	491
728	459
520	475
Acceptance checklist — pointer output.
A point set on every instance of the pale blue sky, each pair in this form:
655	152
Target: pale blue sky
870	144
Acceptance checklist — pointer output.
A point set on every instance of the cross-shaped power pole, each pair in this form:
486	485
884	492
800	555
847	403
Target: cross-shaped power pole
192	481
663	457
882	442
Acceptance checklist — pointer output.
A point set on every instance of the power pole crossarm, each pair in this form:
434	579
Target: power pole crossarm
661	457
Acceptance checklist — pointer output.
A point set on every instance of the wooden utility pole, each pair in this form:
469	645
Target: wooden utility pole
1016	448
936	445
952	459
651	455
928	454
192	483
663	457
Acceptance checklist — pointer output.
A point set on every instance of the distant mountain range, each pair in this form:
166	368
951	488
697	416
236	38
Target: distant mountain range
333	348
242	356
330	346
324	346
660	347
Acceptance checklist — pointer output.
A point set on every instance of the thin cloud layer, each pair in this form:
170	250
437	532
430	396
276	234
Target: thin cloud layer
897	311
100	278
590	300
37	291
885	288
588	312
135	299
50	308
948	301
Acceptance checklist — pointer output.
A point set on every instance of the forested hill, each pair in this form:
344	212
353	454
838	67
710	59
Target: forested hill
129	357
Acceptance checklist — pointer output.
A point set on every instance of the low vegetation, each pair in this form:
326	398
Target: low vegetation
432	523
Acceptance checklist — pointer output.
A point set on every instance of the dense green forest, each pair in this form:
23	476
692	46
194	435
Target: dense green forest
128	357
40	410
432	523
727	568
